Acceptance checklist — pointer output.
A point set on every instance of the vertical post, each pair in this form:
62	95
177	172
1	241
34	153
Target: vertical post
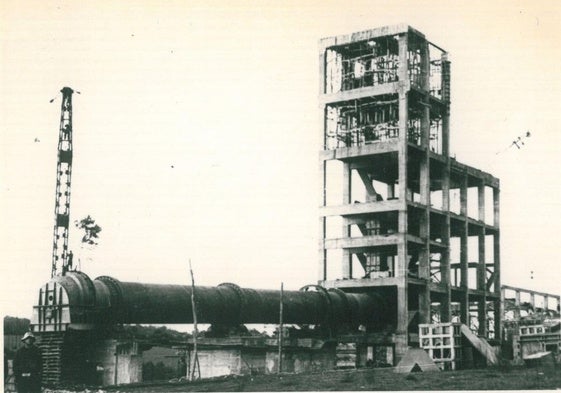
517	303
482	265
446	310
424	191
401	339
402	258
187	360
280	329
499	311
322	266
464	266
195	328
445	83
115	376
347	265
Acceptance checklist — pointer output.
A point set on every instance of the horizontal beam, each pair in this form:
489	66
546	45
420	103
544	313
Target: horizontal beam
362	282
529	291
471	221
344	153
362	242
361	208
488	179
370	34
355	94
470	264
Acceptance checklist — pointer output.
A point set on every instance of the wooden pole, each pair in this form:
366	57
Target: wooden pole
195	329
280	329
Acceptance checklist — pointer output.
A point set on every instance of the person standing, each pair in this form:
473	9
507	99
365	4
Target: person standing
28	366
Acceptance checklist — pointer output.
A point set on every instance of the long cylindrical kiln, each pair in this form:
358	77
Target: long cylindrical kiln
75	301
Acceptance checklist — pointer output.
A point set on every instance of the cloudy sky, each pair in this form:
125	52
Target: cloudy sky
196	132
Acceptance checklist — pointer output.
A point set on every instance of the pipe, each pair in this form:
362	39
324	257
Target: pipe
107	300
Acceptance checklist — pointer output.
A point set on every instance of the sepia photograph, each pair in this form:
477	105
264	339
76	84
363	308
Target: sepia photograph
280	195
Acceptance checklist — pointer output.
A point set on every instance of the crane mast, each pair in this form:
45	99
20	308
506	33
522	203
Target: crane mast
61	256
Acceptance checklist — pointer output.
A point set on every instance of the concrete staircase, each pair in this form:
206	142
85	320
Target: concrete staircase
481	345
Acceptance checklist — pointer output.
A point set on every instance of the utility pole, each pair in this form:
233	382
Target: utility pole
195	328
280	329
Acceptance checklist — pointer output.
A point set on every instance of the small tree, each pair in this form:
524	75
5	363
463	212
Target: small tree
91	234
90	228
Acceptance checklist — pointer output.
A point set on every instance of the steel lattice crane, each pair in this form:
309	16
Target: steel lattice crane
62	257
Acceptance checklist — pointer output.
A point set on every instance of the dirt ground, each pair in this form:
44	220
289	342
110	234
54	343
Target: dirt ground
364	379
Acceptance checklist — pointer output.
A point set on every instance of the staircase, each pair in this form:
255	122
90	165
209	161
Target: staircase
481	345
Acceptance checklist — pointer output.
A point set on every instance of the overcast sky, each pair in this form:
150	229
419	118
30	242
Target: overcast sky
196	132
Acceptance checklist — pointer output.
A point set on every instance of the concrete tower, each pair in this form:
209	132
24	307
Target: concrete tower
399	215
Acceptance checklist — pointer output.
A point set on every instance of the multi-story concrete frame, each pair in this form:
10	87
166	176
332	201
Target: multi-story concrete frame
417	225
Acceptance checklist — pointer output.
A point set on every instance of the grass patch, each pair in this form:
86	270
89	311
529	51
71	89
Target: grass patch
371	380
347	378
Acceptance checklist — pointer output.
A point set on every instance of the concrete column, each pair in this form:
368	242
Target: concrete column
424	167
445	306
322	121
425	119
347	265
498	317
322	68
517	304
391	191
464	237
481	265
402	257
464	308
424	304
322	266
446	189
481	202
499	311
497	260
346	183
496	207
464	195
401	336
496	240
464	302
402	71
445	257
424	224
446	114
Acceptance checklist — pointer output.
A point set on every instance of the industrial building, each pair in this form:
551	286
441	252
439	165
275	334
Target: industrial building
413	223
409	246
